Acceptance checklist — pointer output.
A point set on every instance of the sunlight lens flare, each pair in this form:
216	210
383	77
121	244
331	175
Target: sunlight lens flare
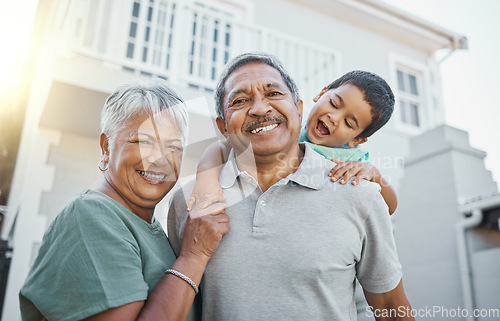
16	21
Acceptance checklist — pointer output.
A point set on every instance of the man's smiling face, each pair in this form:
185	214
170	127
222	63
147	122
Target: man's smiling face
259	109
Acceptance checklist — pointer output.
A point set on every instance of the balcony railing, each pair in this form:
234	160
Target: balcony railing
187	43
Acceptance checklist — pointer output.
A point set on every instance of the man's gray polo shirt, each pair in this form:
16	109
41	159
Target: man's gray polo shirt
294	251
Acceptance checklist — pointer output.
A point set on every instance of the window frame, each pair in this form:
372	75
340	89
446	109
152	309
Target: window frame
422	99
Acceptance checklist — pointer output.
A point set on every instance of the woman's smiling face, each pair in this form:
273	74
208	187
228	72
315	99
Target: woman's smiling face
144	160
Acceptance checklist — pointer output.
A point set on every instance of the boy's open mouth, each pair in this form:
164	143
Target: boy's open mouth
322	129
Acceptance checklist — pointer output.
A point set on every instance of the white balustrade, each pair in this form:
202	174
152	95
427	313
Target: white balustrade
187	43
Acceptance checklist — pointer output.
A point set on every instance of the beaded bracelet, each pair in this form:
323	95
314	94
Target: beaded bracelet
185	278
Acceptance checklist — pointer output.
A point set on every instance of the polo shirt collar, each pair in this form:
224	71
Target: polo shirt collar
229	172
311	172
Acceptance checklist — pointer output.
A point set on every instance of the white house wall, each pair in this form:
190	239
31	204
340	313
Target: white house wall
75	161
442	172
388	158
30	222
485	272
360	48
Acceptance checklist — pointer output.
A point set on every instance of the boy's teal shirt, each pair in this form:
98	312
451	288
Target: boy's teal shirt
343	153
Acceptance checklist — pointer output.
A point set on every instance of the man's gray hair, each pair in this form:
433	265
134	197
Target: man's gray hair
151	96
245	59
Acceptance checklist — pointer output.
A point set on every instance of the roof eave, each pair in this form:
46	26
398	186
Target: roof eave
392	22
412	23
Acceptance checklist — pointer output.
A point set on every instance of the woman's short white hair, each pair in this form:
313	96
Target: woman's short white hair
152	96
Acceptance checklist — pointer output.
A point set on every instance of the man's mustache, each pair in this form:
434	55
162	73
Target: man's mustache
260	120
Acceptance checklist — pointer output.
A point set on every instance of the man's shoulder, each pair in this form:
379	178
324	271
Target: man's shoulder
178	203
177	214
182	192
366	191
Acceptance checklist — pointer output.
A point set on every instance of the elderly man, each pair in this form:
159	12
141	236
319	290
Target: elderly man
297	240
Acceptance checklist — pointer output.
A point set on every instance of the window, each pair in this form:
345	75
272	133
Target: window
133	29
205	29
211	37
409	97
150	33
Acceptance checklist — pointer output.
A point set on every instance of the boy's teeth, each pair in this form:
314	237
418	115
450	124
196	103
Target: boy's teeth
264	129
156	177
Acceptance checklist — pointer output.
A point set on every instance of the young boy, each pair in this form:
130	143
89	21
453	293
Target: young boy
344	115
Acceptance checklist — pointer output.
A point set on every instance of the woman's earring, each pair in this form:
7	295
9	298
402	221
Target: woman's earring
103	166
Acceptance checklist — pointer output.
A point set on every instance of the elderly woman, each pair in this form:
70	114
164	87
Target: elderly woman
105	257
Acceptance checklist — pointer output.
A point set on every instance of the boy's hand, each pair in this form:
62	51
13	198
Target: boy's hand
201	189
345	170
